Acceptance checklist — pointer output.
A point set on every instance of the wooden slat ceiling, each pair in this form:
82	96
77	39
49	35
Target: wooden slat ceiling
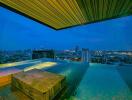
60	14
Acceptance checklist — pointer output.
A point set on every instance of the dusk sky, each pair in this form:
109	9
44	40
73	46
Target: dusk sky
18	32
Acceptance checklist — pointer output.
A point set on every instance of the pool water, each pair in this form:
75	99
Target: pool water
105	82
88	81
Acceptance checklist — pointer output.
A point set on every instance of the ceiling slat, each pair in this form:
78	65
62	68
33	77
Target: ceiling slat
61	14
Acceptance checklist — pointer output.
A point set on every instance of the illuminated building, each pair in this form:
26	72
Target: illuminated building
85	55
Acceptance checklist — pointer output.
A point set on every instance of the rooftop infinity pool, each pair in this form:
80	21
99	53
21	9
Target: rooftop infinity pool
84	81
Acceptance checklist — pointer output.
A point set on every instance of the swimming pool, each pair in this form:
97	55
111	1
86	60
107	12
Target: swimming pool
105	82
88	81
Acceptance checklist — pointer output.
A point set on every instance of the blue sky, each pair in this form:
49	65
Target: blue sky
18	32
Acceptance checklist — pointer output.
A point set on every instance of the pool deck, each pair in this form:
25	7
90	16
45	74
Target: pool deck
5	76
32	84
38	84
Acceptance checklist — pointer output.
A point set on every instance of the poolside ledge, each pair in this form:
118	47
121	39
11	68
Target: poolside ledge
38	84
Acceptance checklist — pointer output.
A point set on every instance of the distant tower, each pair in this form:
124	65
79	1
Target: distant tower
76	48
85	55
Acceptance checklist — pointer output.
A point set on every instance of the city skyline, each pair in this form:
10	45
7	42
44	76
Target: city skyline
18	32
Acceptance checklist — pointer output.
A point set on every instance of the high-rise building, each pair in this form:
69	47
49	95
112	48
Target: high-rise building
85	55
76	49
36	54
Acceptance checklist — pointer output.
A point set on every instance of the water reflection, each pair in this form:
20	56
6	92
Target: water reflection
73	71
102	82
126	74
